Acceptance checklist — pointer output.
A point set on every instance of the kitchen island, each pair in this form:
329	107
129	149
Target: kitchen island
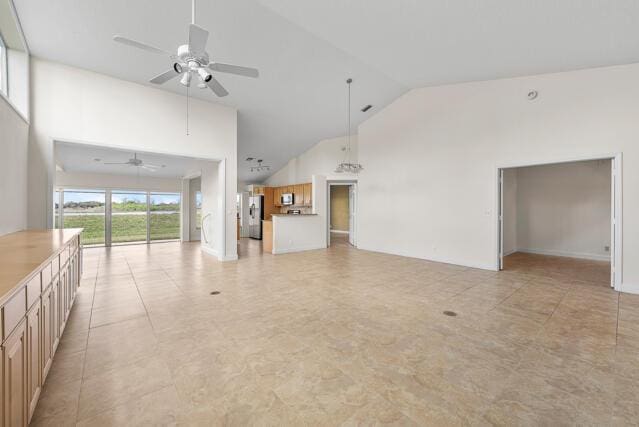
287	233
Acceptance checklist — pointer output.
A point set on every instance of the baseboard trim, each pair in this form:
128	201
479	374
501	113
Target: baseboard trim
208	250
592	257
433	259
629	288
339	231
291	250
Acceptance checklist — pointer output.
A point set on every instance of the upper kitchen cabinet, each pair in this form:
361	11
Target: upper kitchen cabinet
298	192
308	194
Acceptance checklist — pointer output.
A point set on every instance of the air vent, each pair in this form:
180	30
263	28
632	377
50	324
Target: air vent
250	159
368	107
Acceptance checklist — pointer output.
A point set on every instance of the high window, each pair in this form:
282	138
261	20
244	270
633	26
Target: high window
3	66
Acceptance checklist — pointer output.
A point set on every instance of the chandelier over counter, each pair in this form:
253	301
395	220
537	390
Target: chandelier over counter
347	166
260	167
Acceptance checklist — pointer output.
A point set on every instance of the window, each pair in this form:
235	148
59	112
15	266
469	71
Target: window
198	209
85	209
128	217
134	217
56	209
164	218
3	66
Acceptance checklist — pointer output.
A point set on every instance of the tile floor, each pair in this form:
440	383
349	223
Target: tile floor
339	337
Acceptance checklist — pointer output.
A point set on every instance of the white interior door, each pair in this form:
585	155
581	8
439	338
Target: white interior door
500	216
351	214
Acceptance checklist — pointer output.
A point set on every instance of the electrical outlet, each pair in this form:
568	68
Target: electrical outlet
607	248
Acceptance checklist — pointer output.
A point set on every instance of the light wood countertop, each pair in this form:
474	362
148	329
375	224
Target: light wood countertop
24	252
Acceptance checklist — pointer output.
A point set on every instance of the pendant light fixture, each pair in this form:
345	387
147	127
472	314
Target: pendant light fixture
347	166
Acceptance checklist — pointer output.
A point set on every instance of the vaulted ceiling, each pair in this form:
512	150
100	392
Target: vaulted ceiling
305	49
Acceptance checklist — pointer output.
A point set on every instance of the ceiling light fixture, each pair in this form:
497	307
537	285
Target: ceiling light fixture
259	167
347	166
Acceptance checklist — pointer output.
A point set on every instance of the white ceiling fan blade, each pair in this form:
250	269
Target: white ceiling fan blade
197	38
140	45
147	167
234	69
216	87
151	165
113	163
164	77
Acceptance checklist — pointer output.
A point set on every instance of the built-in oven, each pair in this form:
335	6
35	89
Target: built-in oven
288	199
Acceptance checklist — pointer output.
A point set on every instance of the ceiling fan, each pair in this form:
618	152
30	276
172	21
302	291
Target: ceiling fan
192	60
137	163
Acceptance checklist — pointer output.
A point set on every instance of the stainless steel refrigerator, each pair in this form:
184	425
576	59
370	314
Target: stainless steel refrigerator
256	215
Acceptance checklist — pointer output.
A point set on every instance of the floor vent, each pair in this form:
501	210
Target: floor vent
215	292
450	313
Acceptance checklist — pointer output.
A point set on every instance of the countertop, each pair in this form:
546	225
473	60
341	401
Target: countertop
23	252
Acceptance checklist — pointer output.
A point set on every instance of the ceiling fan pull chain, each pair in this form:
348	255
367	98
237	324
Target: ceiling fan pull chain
187	111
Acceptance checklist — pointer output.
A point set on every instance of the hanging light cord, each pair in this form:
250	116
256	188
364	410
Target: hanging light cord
187	111
348	149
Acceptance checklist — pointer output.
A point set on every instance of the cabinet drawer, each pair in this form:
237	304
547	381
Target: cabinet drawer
14	311
34	289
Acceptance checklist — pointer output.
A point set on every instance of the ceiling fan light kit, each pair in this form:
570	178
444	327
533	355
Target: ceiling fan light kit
192	59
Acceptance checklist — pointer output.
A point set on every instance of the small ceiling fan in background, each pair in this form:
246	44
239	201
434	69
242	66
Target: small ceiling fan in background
192	61
137	163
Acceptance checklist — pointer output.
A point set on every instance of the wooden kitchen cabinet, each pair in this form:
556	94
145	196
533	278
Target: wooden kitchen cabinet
308	194
55	313
34	337
298	191
47	331
277	196
33	305
14	351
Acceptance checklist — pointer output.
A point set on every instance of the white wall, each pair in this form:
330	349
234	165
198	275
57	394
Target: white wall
69	104
510	211
14	136
321	159
437	151
564	209
114	182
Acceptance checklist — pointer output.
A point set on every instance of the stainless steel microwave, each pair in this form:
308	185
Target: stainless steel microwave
288	199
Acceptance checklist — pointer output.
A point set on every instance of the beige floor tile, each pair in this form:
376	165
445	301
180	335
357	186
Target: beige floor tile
341	336
108	389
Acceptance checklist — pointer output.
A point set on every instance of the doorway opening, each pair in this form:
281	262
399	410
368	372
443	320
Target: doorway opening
342	208
562	220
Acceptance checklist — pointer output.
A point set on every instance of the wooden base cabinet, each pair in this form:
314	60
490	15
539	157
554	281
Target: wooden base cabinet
14	372
33	314
34	372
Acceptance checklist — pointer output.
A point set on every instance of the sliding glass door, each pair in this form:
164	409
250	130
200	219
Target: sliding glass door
83	209
133	216
164	216
129	217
